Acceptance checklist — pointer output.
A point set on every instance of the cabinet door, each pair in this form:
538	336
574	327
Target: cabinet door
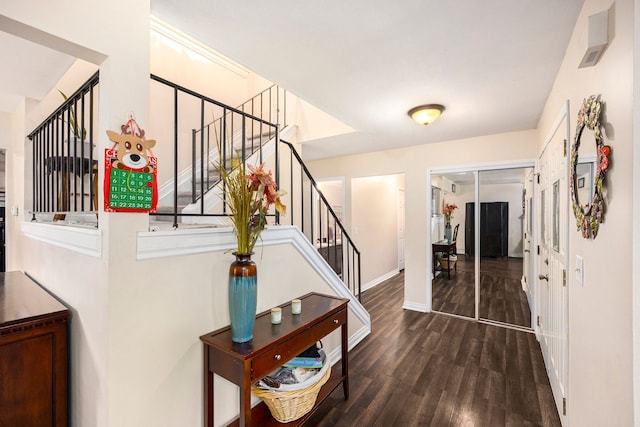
26	381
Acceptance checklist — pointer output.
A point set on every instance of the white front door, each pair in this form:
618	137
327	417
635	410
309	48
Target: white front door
552	256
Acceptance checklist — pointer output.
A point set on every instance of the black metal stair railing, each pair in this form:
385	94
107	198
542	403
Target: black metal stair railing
269	105
312	213
65	170
244	129
243	132
238	132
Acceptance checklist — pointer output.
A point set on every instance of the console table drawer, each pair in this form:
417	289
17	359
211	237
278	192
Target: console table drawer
286	351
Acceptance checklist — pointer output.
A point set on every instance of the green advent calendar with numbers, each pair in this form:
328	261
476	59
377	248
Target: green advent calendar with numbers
129	190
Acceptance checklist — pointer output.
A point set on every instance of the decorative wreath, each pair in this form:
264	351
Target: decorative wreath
589	217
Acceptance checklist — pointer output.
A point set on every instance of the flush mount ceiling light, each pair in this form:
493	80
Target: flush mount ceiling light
426	114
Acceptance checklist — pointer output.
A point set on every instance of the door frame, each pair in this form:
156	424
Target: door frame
563	118
314	205
401	208
475	169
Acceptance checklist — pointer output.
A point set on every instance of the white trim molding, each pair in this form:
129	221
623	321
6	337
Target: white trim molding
354	340
162	28
81	240
375	282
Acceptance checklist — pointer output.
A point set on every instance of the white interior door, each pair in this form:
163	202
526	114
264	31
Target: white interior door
527	241
552	257
400	229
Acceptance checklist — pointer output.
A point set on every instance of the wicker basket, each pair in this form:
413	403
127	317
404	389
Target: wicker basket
444	263
287	406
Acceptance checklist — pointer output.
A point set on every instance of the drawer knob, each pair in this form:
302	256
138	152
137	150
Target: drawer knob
277	357
335	320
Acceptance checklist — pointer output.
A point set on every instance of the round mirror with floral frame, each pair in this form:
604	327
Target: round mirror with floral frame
589	215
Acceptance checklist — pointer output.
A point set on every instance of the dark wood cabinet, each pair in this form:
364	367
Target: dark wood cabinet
494	229
272	345
33	354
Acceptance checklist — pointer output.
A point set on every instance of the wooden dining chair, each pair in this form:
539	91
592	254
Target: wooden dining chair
453	250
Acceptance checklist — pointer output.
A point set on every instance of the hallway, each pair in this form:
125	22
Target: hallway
432	369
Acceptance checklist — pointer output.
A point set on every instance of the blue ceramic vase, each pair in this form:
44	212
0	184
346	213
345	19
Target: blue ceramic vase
243	281
447	231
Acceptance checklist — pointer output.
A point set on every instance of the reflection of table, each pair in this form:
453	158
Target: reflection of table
447	247
272	345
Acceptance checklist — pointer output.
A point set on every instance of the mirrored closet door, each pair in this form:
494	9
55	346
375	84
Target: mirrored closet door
481	269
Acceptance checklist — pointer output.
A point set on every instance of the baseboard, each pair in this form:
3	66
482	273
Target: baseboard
375	282
354	340
413	306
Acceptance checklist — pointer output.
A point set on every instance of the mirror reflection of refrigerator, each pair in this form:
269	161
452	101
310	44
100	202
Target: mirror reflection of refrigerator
437	219
437	228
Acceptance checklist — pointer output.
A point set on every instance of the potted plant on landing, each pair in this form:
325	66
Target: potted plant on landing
248	197
80	134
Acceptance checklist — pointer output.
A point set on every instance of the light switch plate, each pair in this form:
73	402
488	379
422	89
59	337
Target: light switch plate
580	270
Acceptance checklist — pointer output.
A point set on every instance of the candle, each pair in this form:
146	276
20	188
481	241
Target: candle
276	315
296	306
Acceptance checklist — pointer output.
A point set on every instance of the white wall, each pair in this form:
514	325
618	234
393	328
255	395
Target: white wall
86	30
636	214
5	140
374	208
155	320
600	310
5	130
415	162
316	124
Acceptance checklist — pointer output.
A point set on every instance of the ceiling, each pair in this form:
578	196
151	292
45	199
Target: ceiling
366	63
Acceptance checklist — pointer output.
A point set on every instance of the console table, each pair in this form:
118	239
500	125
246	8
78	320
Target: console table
446	246
33	354
272	345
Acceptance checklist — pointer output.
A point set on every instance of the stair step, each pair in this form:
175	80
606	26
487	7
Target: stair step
166	209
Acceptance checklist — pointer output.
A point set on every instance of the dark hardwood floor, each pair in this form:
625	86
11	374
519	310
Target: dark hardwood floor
427	369
501	295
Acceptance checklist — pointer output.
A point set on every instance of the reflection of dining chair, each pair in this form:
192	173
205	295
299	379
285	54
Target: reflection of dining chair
453	250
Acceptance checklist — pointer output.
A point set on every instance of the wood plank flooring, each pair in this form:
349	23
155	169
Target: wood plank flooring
426	369
501	295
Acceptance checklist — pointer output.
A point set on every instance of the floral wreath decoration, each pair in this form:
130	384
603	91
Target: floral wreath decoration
589	217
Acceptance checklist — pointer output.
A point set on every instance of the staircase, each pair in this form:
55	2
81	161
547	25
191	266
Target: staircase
244	129
194	195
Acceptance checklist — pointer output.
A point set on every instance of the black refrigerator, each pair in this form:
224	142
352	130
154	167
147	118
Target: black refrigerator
494	229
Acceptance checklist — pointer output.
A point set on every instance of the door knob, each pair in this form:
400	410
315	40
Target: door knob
527	250
543	277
